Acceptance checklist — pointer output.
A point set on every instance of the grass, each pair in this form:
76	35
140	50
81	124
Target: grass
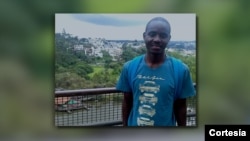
97	69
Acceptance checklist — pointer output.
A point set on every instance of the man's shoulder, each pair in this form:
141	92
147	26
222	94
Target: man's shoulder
137	58
132	62
178	62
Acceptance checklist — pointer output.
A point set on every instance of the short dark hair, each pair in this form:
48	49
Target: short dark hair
158	19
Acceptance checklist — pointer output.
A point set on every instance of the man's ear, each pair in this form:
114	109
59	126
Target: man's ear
144	35
169	37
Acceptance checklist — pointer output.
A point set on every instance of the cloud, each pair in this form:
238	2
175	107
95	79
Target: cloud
123	26
106	20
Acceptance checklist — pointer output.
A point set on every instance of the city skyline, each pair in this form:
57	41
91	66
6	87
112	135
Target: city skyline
123	26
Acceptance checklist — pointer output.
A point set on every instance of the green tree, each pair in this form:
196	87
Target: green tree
128	53
83	69
107	58
69	80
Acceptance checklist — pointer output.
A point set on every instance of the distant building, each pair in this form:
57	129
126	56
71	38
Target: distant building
78	47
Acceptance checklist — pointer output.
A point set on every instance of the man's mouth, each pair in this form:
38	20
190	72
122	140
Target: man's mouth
155	47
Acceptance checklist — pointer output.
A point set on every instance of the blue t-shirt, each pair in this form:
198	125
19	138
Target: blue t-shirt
153	93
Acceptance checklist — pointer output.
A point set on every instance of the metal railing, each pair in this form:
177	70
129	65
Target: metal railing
98	107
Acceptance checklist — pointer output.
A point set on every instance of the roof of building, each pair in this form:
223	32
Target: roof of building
62	100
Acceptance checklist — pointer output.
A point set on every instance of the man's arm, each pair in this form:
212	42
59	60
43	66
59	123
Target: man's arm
180	111
126	107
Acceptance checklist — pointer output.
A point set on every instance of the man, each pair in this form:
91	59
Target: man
148	83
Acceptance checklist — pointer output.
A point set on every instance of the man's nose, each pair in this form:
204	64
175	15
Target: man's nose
157	38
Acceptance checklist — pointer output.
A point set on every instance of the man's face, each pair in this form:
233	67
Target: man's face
156	37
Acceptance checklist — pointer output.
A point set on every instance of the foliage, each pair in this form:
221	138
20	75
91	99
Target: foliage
68	80
76	70
107	58
128	53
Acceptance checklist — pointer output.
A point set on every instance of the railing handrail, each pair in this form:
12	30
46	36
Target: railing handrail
92	91
99	91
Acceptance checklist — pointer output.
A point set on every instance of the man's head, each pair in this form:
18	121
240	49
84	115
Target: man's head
157	35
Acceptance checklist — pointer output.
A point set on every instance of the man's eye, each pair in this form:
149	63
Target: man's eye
152	34
163	35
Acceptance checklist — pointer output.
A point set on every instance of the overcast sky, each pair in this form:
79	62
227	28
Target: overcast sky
123	26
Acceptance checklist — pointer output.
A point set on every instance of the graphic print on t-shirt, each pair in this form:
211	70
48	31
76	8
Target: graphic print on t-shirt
148	99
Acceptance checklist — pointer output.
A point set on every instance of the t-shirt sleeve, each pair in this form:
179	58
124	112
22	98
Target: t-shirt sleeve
188	89
123	81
